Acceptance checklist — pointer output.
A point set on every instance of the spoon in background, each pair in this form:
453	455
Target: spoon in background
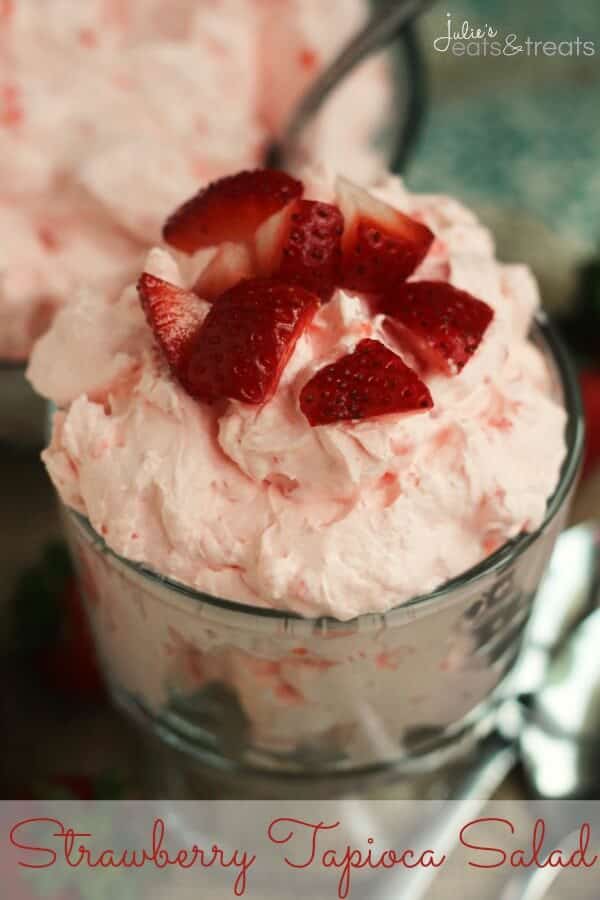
560	743
534	885
383	26
553	694
549	715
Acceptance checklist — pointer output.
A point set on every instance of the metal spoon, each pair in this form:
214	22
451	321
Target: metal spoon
381	29
554	712
554	729
534	885
560	741
567	594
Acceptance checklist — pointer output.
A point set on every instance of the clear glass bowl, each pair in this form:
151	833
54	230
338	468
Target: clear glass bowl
293	705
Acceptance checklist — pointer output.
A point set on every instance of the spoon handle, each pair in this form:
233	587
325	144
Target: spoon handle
496	759
381	29
534	884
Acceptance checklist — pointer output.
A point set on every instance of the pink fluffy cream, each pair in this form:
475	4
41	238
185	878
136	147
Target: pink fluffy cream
251	503
114	111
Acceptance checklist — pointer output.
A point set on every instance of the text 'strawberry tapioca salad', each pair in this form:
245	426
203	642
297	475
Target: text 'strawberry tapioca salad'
113	111
319	400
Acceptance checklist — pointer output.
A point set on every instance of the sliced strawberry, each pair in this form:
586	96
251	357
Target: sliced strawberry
230	209
231	263
270	240
175	317
442	325
71	787
71	665
302	245
246	340
371	381
381	246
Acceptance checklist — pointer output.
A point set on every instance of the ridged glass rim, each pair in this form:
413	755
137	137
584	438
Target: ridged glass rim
574	433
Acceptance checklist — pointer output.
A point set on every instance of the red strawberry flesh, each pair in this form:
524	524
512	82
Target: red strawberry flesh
310	249
381	246
71	665
230	209
371	381
442	325
247	339
175	316
376	259
589	380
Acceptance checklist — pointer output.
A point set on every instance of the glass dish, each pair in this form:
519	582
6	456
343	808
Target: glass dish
287	705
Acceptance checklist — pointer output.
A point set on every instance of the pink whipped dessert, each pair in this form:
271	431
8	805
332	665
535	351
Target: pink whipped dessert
362	441
318	400
113	111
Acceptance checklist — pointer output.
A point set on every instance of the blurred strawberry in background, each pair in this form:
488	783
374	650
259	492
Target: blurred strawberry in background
51	627
581	328
590	391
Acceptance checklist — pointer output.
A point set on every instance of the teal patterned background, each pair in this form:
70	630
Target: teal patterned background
518	137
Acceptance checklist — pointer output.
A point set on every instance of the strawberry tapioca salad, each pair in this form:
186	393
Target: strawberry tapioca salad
317	399
113	111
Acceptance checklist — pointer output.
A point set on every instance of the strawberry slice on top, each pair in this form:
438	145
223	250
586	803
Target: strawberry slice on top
371	381
246	340
443	325
230	264
175	317
302	245
381	246
230	209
